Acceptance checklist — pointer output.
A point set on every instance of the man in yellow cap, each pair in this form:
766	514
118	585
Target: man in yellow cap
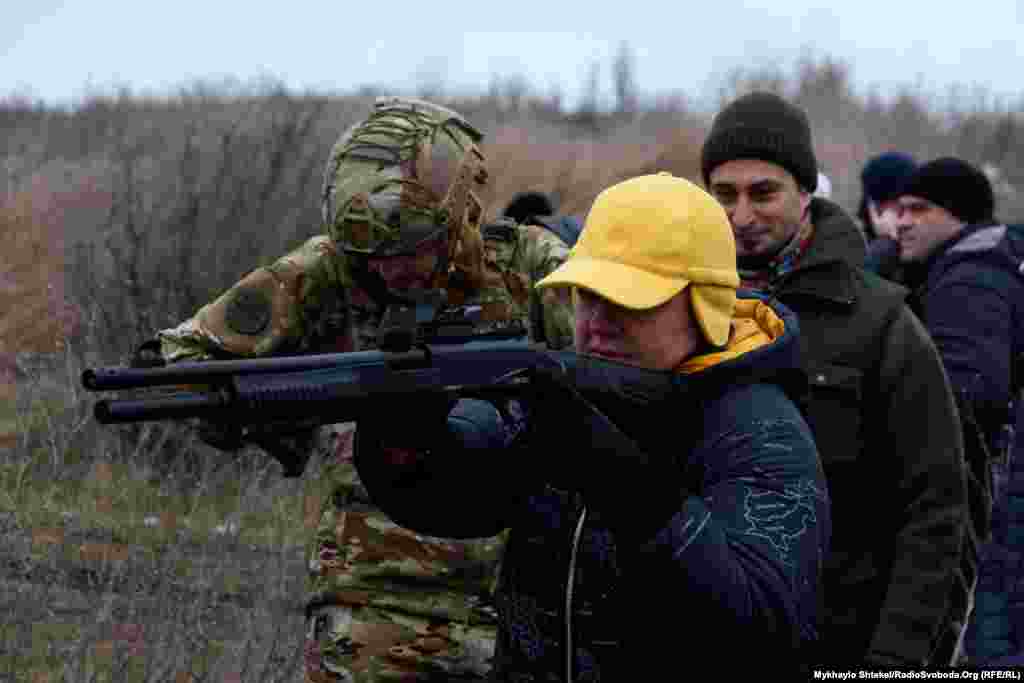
648	525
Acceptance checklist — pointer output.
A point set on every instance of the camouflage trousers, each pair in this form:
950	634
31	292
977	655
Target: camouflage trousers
387	604
371	645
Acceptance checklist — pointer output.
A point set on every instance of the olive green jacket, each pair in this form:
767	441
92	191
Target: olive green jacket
886	424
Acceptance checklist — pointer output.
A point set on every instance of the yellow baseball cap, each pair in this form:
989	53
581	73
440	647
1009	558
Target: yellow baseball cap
648	238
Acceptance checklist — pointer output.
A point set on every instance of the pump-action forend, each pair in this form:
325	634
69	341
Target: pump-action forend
338	387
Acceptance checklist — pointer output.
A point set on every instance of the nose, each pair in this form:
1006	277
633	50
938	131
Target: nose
742	213
904	224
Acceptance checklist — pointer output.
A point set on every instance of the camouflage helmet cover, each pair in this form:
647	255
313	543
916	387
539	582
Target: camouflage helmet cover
409	172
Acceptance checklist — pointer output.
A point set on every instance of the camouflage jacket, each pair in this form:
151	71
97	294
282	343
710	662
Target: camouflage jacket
309	301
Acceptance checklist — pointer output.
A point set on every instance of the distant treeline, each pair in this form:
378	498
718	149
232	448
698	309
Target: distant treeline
160	203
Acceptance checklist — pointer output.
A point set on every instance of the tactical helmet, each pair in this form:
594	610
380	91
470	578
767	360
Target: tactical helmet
408	173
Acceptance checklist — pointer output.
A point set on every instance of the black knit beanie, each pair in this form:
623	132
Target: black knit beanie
524	205
762	126
881	180
956	186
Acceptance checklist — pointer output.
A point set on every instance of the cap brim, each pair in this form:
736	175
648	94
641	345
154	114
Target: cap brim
621	284
713	306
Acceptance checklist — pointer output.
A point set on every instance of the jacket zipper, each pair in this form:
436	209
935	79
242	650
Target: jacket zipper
570	649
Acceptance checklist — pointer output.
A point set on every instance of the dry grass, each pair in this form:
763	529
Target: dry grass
37	318
125	214
116	569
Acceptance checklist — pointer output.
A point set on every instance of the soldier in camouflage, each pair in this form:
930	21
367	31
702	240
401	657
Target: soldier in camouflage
402	214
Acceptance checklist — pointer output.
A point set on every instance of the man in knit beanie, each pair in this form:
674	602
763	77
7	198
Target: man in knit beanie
966	273
937	202
876	381
763	132
882	180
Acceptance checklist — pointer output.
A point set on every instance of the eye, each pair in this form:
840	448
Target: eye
724	196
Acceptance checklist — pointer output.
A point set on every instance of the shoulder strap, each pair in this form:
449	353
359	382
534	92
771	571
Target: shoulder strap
568	228
503	231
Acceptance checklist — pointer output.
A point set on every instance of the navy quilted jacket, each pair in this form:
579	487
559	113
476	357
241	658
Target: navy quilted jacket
971	298
733	567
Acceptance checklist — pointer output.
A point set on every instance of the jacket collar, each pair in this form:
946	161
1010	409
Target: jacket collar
836	237
768	351
921	276
983	244
826	271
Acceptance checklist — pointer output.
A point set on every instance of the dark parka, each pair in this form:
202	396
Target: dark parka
887	430
972	302
731	564
970	296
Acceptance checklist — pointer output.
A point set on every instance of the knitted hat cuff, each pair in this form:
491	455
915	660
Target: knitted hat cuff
956	186
764	144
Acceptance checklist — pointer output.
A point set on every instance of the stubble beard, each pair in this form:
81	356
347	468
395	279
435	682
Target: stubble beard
758	259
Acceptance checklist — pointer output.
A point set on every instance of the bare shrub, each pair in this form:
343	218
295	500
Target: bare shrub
37	317
217	190
574	172
127	213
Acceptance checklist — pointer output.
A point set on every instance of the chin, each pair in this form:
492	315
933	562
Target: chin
613	357
754	258
908	255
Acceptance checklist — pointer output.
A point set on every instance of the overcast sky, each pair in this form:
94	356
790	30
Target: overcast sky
58	50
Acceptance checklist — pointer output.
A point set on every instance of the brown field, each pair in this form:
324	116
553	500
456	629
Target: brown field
124	214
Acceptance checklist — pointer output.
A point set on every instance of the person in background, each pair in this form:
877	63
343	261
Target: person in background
881	181
965	270
880	404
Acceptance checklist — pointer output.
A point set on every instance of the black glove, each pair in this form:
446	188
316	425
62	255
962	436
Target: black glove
397	434
147	355
635	491
224	436
290	444
221	435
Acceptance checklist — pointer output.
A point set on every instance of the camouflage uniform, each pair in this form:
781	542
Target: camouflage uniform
386	604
